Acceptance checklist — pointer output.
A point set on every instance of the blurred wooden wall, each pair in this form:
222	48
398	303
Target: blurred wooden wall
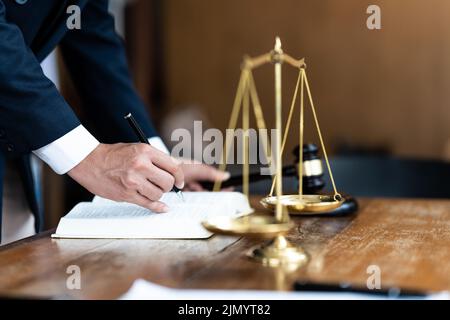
388	87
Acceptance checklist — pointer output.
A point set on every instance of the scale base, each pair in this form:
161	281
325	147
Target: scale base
279	252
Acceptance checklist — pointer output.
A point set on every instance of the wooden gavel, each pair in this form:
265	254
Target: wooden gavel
313	181
312	175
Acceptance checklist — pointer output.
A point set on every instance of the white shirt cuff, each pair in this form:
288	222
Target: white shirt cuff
65	153
157	143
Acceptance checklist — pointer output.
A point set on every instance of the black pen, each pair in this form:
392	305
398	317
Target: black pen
392	292
141	136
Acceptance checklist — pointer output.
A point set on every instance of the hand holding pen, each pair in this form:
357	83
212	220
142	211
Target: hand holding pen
129	172
143	139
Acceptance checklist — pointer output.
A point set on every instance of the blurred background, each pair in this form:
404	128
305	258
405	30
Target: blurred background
381	95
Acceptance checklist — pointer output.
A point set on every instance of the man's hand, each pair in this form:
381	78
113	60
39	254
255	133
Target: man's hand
135	173
194	172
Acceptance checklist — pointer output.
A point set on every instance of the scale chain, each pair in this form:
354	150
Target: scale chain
337	196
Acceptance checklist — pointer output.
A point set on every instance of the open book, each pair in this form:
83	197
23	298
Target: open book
104	218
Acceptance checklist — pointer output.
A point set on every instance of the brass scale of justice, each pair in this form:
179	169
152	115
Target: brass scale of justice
278	251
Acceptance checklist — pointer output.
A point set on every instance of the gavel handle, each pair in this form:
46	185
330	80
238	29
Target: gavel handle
235	181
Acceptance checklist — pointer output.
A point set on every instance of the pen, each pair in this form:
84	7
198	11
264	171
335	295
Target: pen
141	136
392	292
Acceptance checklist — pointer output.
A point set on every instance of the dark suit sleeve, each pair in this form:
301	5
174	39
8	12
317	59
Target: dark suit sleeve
32	112
95	57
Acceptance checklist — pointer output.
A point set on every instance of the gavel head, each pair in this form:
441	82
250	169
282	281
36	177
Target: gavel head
312	169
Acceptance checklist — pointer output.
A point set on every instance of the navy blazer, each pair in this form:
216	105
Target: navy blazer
32	111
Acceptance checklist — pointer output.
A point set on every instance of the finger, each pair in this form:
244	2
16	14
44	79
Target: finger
229	189
172	166
203	172
149	190
218	175
195	186
160	178
154	206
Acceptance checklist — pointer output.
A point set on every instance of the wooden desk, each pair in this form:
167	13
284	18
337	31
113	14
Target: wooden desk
408	239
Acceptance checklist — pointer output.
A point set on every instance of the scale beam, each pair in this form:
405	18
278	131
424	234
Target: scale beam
251	63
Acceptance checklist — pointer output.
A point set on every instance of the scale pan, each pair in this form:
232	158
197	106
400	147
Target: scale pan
309	204
258	226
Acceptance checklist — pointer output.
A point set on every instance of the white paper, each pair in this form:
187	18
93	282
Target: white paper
144	290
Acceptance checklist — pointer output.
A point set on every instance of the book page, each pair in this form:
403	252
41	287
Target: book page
104	218
235	199
89	210
111	210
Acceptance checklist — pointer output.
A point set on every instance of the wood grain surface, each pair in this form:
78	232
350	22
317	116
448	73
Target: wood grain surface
408	239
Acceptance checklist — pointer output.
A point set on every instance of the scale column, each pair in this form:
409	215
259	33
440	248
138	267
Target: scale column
279	212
